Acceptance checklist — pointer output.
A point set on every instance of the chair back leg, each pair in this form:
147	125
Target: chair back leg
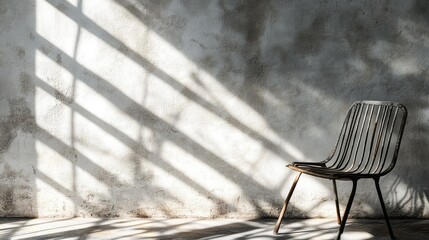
283	211
346	213
383	207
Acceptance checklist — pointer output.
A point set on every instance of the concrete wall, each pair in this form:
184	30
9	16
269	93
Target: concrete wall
193	108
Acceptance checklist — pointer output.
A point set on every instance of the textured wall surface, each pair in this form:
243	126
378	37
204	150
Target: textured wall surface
193	108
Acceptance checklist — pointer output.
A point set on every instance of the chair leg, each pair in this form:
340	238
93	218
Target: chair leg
383	207
337	205
346	213
283	211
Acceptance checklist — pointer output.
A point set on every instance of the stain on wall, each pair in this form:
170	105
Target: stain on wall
193	108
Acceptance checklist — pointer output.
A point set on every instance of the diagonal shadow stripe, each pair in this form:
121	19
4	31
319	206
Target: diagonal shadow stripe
136	147
73	13
150	120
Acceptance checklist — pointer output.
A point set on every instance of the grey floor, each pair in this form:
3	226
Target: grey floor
133	228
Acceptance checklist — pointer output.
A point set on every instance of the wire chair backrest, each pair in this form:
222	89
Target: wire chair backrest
370	138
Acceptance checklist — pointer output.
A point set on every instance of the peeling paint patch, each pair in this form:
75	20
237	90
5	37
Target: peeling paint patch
26	83
15	190
63	98
20	52
20	117
140	212
6	136
59	59
6	199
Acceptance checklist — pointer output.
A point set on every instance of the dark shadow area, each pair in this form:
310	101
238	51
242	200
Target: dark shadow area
18	156
222	231
316	61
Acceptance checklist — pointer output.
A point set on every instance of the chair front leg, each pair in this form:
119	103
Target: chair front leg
337	205
383	207
346	213
283	211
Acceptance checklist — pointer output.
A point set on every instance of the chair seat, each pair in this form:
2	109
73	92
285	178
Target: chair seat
322	171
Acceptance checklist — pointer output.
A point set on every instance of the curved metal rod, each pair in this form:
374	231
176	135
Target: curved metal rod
283	211
337	205
386	217
346	213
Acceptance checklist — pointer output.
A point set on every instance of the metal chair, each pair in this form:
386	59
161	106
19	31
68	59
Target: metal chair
367	147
